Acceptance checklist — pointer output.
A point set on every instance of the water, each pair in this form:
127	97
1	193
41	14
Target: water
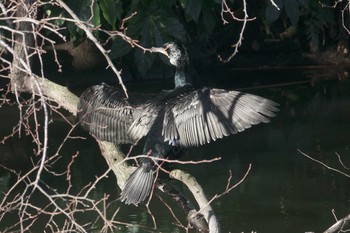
284	191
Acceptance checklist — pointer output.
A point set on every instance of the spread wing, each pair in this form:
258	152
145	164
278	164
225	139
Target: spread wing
207	114
153	111
104	111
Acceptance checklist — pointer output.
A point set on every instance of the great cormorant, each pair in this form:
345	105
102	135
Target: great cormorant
182	117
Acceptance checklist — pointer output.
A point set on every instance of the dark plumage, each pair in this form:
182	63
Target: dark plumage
107	114
182	117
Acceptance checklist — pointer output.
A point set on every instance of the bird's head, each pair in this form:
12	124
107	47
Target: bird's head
176	53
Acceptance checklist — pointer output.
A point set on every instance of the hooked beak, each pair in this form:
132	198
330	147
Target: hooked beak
160	50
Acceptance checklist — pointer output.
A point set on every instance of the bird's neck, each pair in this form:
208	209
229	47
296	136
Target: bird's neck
182	77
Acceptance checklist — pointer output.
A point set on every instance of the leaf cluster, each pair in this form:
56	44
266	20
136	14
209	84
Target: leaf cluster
308	18
151	22
154	22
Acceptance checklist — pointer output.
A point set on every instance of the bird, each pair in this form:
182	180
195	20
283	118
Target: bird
170	120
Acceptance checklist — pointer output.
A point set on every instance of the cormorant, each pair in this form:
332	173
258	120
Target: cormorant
182	117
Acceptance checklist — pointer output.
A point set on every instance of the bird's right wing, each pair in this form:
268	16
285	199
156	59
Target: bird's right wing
104	111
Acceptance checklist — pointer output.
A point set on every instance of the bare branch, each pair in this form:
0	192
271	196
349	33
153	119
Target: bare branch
323	164
200	197
345	10
89	35
341	162
339	226
226	10
61	208
275	5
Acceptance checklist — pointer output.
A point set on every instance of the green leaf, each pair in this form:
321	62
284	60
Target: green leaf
193	9
207	23
109	11
174	27
136	23
144	60
134	4
119	48
326	15
304	3
272	13
97	17
159	38
292	9
96	20
83	6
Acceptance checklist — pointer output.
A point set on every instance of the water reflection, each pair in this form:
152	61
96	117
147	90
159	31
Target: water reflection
284	192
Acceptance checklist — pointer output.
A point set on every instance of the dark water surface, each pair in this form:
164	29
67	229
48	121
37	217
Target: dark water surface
284	191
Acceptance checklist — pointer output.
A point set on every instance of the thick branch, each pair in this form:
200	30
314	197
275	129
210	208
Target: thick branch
195	219
58	94
23	80
115	160
200	197
339	225
23	41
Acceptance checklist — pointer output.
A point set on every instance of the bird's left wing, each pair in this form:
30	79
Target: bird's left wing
203	115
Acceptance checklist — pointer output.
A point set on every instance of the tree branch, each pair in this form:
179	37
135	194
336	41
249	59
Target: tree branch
24	80
339	225
116	161
198	193
89	35
323	164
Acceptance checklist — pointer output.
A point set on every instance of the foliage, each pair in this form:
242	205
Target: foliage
292	8
310	18
317	22
153	22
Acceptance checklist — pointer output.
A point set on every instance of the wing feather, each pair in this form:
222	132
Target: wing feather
193	117
107	114
204	115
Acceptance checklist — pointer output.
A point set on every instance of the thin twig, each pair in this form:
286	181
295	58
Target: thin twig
89	35
323	164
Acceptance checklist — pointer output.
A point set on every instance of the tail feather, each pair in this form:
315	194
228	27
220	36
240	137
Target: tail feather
138	186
